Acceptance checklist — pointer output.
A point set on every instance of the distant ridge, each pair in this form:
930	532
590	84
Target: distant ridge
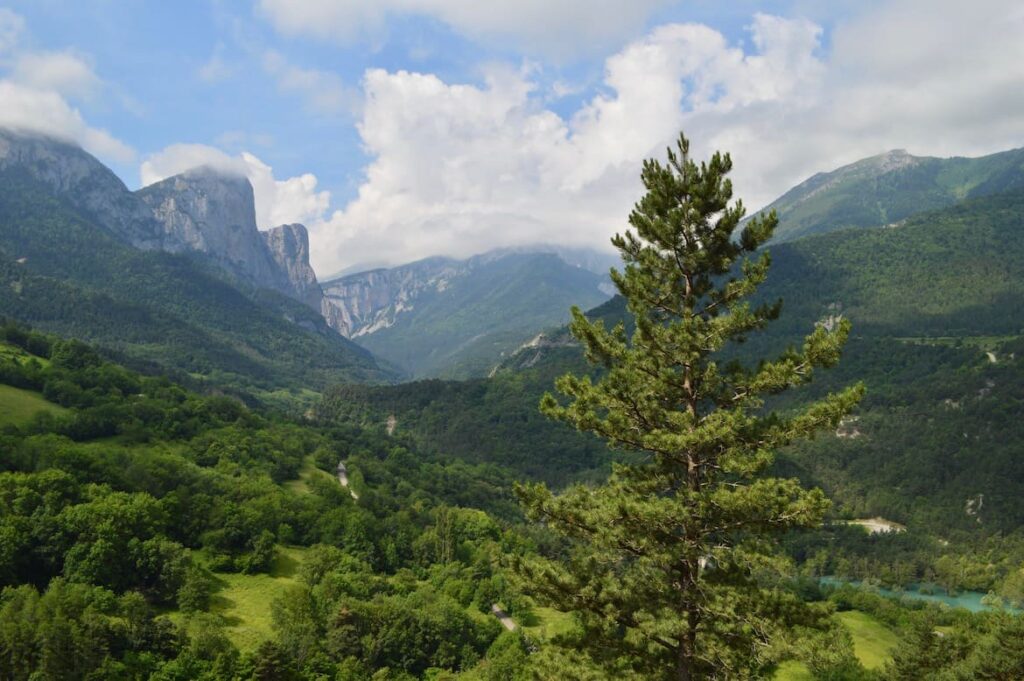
890	187
456	318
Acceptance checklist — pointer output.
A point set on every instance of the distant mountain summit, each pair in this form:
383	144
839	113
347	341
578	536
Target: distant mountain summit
207	211
455	318
201	210
891	187
83	182
176	273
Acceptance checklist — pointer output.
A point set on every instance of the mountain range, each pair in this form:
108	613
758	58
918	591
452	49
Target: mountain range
176	274
459	318
890	187
937	304
71	274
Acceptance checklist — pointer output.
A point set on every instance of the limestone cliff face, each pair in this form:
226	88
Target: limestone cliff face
289	248
84	182
213	213
366	302
201	210
210	212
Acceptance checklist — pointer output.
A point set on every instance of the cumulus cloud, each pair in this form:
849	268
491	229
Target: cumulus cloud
295	199
47	112
36	85
562	29
460	168
457	168
63	72
322	91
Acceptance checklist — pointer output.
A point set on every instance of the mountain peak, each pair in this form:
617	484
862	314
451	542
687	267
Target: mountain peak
888	187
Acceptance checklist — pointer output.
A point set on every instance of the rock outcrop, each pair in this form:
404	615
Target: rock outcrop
210	212
289	248
201	210
359	304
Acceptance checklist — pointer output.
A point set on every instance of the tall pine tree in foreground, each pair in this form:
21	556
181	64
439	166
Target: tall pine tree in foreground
671	567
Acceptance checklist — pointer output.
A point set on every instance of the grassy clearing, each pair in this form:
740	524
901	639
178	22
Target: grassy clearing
546	623
873	642
306	473
243	601
793	671
18	406
290	399
13	352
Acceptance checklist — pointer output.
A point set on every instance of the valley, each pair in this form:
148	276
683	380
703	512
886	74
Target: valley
231	468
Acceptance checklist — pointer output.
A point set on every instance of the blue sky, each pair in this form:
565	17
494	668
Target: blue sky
405	128
151	55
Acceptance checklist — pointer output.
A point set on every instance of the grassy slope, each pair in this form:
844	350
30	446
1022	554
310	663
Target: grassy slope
871	193
306	473
17	406
873	644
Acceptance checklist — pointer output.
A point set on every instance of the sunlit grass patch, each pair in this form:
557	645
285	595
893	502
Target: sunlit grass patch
873	642
18	406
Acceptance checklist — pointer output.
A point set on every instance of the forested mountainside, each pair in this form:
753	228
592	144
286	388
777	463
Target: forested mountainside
240	554
890	187
78	256
458	318
150	532
936	306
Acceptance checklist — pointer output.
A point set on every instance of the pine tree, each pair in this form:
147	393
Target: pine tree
672	569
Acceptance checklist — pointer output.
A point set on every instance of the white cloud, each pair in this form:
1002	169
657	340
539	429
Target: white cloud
562	29
45	111
322	91
64	72
278	202
178	158
460	168
35	88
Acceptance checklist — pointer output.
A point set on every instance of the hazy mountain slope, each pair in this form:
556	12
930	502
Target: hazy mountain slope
445	317
64	272
890	187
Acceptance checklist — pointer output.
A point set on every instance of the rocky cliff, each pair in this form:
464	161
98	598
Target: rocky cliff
457	318
359	304
201	210
289	248
213	213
